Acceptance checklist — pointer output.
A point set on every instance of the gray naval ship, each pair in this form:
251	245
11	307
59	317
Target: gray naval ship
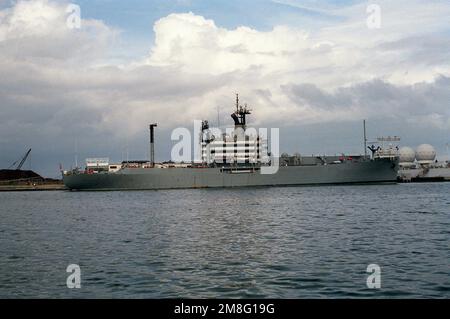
238	159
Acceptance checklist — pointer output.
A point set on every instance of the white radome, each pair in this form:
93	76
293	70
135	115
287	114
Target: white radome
425	154
407	155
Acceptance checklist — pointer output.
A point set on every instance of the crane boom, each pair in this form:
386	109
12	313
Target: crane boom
23	160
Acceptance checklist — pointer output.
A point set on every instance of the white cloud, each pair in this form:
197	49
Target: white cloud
197	45
37	31
350	58
348	52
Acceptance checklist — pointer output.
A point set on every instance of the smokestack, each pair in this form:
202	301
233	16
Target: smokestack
152	144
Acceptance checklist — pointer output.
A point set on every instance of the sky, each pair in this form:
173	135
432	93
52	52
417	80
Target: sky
314	69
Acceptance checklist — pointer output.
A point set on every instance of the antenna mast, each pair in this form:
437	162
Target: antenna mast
218	117
239	116
76	152
365	139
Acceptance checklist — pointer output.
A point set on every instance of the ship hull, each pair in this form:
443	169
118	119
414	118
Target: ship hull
379	171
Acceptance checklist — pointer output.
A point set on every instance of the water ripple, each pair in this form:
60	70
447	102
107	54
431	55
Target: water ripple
290	242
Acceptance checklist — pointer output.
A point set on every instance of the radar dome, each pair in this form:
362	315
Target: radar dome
425	154
406	155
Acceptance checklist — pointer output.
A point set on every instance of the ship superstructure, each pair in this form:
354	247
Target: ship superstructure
385	147
237	147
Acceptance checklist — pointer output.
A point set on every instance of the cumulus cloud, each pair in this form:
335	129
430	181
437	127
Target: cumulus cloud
340	73
344	53
197	45
37	31
57	84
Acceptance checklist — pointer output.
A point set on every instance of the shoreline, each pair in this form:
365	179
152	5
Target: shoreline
37	188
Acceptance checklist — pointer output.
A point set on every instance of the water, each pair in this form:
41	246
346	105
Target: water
292	242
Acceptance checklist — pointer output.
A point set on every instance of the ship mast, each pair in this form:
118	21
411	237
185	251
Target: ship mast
239	116
365	139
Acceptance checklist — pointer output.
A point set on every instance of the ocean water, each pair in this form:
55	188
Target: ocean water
291	242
